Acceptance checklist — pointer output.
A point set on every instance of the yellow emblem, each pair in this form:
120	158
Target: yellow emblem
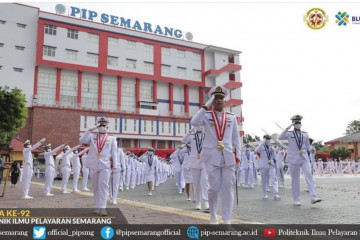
316	18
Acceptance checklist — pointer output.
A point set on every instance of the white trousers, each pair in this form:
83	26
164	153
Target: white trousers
49	176
133	178
100	182
114	184
122	179
65	177
280	175
179	180
85	177
27	174
295	179
128	177
247	176
76	174
200	184
266	175
221	178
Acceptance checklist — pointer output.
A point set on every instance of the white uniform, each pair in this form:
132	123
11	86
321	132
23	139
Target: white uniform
220	164
122	169
247	164
100	166
76	166
177	160
85	172
267	168
297	161
28	168
151	161
186	164
280	163
114	180
50	169
129	163
66	168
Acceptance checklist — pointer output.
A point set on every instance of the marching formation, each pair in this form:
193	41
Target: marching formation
207	165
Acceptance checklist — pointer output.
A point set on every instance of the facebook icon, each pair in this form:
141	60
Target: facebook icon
107	232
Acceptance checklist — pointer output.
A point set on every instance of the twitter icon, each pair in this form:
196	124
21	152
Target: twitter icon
39	232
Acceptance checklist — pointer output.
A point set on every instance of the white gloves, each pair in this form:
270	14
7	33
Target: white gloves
42	140
93	128
210	101
289	126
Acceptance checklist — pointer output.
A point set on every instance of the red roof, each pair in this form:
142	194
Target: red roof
17	145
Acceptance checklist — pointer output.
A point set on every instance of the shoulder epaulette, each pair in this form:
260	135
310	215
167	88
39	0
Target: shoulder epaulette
230	113
208	111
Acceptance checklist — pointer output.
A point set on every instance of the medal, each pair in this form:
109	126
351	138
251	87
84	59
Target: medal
299	139
198	156
198	143
219	128
100	144
269	162
300	152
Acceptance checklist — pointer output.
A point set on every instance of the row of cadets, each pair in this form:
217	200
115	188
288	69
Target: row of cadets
85	172
122	161
221	136
177	160
247	168
128	168
102	148
50	168
66	167
151	163
267	164
28	166
185	151
297	157
114	181
76	166
198	169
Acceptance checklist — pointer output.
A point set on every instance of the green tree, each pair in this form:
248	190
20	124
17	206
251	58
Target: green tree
340	152
248	138
318	145
323	149
353	127
13	112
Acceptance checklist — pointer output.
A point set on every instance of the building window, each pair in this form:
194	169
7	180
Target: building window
165	70
125	124
92	58
89	91
131	63
21	48
109	93
130	44
113	42
149	67
71	54
21	25
49	51
180	53
165	51
93	38
85	122
18	69
46	87
112	61
178	128
185	128
196	57
146	91
50	29
148	48
145	125
197	74
2	21
169	127
128	95
116	124
162	127
152	126
73	34
1	44
181	72
68	89
134	125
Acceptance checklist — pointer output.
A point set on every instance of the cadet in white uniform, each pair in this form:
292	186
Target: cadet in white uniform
151	161
114	181
177	160
185	151
65	166
198	169
129	163
221	135
28	166
102	148
85	172
297	158
122	160
247	164
50	168
76	166
280	162
267	167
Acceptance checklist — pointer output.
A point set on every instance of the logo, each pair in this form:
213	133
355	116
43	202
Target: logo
39	232
193	232
342	19
316	18
269	232
107	232
60	9
355	19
